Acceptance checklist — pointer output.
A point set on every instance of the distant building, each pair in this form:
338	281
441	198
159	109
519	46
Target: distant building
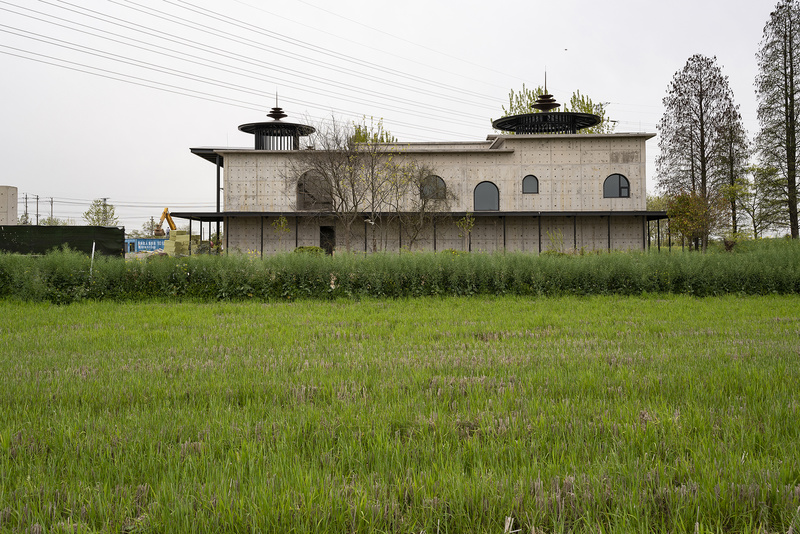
8	205
140	244
541	187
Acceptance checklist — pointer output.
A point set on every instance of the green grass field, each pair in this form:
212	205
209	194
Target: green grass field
585	414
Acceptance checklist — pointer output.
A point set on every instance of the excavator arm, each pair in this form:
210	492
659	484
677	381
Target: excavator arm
164	215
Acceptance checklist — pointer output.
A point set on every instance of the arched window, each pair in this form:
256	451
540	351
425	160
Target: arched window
313	193
433	188
487	197
616	186
530	185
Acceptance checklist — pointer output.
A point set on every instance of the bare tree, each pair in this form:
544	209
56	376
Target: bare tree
777	87
701	124
427	199
384	178
355	172
327	178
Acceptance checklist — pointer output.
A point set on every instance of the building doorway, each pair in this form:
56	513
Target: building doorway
327	238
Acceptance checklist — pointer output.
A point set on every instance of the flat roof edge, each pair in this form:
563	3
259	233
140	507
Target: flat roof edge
214	216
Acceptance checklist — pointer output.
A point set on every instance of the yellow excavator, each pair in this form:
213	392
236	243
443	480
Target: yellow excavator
159	231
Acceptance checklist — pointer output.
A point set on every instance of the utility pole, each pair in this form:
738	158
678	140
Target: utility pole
27	221
37	210
51	209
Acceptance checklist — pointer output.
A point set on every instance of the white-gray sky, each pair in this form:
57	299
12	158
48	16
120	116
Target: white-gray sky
104	98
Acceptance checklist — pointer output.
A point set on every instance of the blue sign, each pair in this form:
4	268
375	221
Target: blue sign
143	245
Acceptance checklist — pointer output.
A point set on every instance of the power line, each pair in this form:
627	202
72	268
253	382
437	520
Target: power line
172	72
392	54
169	88
303	44
259	46
194	93
224	66
135	80
339	15
204	95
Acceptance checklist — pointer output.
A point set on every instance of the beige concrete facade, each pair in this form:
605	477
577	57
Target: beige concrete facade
257	236
8	205
569	211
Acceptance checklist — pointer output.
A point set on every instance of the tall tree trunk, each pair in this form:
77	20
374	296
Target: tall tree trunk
732	181
703	154
791	137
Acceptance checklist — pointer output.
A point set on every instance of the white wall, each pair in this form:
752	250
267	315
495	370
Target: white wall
8	205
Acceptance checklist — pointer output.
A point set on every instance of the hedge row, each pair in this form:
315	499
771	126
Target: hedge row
771	266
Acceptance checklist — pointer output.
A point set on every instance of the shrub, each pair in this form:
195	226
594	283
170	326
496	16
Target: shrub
65	276
314	251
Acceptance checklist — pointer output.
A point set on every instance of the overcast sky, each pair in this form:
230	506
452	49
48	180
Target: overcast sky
104	98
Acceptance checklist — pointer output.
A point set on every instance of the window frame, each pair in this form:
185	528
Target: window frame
619	189
496	197
439	188
528	178
306	199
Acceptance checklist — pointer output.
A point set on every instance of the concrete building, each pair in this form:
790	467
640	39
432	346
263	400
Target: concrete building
541	187
8	205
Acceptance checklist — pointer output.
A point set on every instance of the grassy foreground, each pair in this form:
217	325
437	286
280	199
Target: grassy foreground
596	414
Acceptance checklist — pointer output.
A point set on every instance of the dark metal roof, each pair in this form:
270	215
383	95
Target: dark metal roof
209	154
548	122
277	128
277	135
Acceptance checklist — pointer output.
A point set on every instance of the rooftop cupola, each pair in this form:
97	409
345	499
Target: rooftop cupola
542	120
275	134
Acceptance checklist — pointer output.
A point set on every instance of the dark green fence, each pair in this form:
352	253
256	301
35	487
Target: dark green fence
40	239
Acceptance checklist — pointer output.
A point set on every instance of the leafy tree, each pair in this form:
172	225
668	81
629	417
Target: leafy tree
147	231
520	102
777	87
761	200
734	155
281	227
55	221
100	213
701	141
149	227
694	216
465	225
372	133
24	219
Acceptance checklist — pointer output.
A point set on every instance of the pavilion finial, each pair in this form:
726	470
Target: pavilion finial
276	112
545	102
